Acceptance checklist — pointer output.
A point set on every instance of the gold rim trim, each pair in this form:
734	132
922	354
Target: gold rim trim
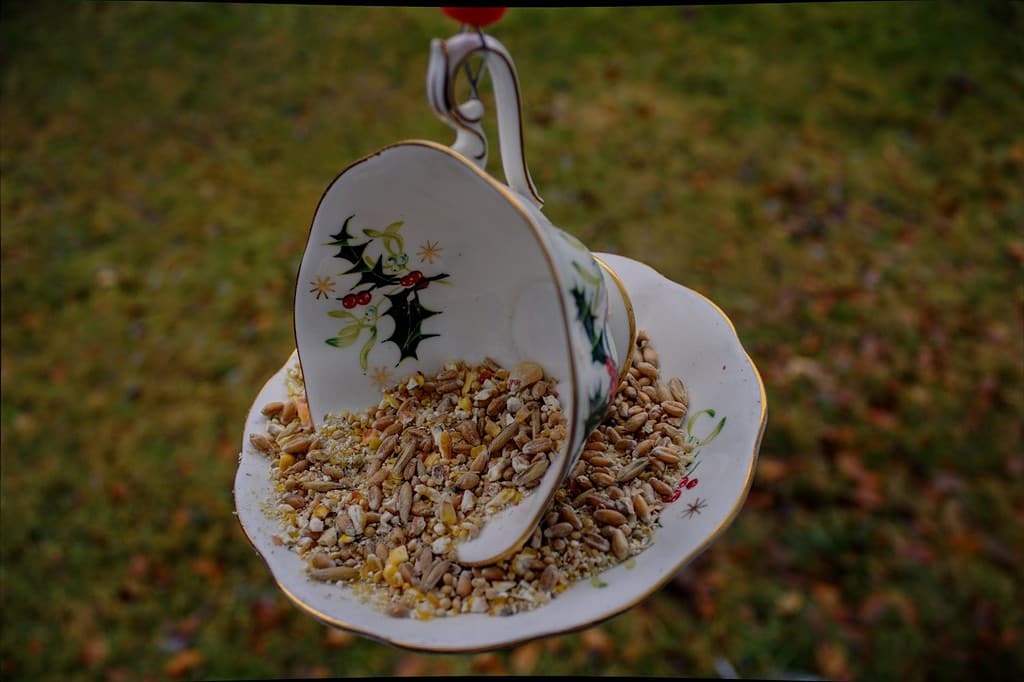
629	313
719	529
506	193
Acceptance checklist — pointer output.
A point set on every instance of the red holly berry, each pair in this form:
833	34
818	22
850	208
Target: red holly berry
422	283
475	16
349	301
411	278
363	297
691	484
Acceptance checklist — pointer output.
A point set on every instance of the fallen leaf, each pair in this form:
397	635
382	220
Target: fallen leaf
790	602
524	658
489	663
771	470
183	662
337	639
597	641
411	665
94	651
831	659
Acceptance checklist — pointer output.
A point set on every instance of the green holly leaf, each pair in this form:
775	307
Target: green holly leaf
376	277
408	314
353	253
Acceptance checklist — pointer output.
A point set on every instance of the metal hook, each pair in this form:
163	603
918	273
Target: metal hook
474	81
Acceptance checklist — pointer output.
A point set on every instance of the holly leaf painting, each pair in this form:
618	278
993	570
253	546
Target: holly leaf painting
376	277
583	314
353	253
408	314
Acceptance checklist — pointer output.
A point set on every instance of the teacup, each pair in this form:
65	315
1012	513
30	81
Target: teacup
417	257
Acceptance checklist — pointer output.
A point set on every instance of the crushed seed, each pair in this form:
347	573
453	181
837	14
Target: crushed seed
379	500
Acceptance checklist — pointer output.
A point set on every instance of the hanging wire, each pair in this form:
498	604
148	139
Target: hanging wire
474	81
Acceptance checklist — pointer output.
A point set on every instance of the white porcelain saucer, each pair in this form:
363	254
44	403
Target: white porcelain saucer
697	343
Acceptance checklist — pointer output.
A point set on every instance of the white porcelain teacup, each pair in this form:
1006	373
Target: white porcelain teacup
417	257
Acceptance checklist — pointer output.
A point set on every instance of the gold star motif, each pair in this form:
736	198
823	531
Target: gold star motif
429	251
322	286
381	376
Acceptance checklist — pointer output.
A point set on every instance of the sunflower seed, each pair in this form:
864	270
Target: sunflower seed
497	404
434	574
640	507
559	530
334	573
405	501
666	455
533	474
644	447
569	515
609	517
467	429
663	489
449	386
675	386
272	408
503	437
631	470
298	467
335	472
596	541
537	445
674	408
468	481
288	411
620	545
296	445
548	578
634	422
321	486
408	450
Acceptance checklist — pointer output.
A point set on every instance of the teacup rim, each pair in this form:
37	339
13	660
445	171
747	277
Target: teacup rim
546	248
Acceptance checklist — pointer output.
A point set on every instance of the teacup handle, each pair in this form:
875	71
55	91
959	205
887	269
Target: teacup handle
446	58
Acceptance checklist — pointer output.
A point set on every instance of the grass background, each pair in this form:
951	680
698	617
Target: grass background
845	179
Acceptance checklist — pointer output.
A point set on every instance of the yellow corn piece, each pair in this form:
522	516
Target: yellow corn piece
285	461
468	385
465	403
398	555
345	539
321	511
448	513
303	409
391	400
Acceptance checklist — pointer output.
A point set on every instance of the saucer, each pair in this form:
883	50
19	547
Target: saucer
727	410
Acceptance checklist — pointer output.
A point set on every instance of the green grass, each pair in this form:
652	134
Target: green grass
845	179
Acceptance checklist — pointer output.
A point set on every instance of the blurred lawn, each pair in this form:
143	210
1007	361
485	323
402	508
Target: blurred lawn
846	180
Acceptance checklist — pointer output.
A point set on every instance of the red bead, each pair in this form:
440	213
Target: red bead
475	16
